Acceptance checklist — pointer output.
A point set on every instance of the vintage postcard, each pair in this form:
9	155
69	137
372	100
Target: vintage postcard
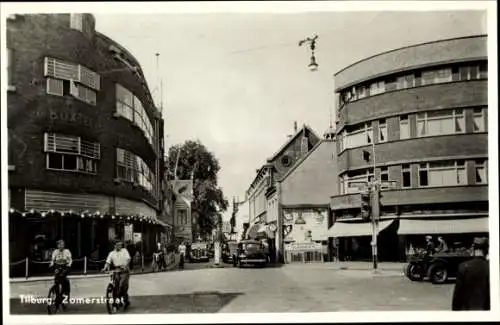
214	162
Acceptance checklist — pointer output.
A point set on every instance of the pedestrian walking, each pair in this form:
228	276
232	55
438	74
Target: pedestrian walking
472	288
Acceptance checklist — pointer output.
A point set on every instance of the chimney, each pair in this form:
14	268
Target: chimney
295	127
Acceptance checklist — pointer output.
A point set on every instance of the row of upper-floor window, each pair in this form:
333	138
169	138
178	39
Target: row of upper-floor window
430	123
70	79
74	154
430	174
416	78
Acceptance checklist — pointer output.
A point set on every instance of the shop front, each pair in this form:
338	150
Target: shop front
305	235
353	240
305	252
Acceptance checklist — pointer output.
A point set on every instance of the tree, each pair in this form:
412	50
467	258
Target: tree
194	160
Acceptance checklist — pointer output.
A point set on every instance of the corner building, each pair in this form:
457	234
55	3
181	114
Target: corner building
425	109
85	140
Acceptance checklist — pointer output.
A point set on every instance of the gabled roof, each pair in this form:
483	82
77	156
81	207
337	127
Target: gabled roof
283	147
303	158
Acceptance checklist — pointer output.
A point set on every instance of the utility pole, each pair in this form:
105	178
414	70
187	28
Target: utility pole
374	204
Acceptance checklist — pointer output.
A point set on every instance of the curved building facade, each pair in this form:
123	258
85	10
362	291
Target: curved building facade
419	114
85	138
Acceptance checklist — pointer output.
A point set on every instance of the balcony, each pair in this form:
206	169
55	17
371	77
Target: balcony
416	196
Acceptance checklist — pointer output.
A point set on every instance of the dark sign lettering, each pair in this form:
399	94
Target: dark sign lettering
72	117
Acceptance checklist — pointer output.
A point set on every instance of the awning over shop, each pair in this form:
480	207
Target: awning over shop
351	229
449	226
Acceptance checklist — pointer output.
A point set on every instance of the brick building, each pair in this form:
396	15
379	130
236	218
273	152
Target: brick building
85	139
425	109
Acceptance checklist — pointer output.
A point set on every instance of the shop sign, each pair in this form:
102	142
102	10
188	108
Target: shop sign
304	246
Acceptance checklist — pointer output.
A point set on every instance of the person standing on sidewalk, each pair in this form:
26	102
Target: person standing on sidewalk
472	288
182	254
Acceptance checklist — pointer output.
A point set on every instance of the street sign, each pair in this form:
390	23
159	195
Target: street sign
388	185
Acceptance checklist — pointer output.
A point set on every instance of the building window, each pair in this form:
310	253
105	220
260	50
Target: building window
481	171
354	181
360	136
382	131
406	173
361	92
440	122
71	153
377	88
384	174
483	71
130	107
65	79
443	173
471	72
404	82
132	168
404	127
436	76
479	120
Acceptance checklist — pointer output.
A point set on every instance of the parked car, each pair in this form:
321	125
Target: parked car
251	252
437	268
229	254
199	252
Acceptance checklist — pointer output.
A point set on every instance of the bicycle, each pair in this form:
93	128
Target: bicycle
55	296
113	301
158	262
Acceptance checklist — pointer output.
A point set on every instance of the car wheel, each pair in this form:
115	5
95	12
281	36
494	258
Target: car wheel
414	272
438	274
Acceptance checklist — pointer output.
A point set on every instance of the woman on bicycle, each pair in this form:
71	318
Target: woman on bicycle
61	258
120	259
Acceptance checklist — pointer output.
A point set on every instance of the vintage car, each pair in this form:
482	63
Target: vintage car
437	268
229	253
251	252
199	252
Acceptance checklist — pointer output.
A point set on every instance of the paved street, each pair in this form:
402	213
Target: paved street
291	288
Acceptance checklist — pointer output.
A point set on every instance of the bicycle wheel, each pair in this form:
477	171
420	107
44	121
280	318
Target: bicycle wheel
110	299
52	304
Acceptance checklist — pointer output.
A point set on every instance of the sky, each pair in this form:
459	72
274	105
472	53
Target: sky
238	81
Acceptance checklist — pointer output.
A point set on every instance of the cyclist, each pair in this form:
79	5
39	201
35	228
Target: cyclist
61	259
182	252
120	259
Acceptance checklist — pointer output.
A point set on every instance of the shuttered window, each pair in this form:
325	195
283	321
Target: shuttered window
131	168
71	153
60	69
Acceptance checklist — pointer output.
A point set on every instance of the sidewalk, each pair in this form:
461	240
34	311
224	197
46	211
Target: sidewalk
383	267
137	271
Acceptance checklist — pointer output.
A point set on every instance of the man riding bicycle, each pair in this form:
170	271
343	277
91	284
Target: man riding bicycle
120	259
61	261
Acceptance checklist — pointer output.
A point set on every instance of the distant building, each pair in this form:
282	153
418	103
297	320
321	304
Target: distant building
182	215
262	194
425	107
304	197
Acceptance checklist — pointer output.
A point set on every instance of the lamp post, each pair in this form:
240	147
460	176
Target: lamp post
313	66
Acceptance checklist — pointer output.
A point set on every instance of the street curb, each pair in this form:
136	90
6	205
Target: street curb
89	276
